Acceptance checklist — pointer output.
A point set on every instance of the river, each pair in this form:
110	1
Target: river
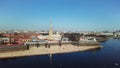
106	57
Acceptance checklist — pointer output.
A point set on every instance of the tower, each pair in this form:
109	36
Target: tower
50	30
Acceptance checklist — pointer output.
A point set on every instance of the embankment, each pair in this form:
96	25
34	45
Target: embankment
41	50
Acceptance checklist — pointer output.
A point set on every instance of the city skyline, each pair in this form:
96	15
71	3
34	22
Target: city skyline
68	15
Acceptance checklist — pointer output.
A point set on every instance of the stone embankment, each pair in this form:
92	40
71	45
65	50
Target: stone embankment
21	51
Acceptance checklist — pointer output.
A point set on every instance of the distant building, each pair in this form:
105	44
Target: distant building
4	40
87	39
107	34
51	36
20	38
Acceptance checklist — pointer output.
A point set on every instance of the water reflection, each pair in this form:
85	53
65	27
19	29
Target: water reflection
50	58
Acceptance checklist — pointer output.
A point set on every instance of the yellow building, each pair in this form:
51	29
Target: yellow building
51	36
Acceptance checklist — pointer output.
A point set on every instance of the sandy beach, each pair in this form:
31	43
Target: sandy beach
42	50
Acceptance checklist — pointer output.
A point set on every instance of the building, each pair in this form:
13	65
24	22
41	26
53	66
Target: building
4	40
51	36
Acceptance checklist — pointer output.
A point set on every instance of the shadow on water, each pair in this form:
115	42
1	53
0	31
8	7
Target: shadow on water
6	60
94	50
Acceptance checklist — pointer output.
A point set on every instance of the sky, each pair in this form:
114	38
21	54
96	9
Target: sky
67	15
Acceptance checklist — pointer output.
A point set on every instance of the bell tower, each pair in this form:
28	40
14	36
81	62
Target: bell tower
50	30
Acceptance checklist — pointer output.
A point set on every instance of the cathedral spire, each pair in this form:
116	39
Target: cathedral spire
51	29
50	21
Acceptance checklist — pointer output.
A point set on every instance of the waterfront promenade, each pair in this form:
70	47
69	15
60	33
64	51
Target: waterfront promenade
42	50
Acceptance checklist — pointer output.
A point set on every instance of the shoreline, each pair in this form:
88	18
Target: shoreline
44	51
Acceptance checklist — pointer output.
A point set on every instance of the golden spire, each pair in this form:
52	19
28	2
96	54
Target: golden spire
51	22
50	30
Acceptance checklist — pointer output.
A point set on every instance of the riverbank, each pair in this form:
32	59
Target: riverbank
42	50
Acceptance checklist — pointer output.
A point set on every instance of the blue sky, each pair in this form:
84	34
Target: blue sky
74	15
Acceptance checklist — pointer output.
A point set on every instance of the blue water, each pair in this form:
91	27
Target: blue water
106	57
